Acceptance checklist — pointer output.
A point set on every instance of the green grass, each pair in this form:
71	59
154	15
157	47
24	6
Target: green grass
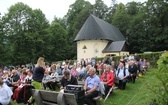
134	94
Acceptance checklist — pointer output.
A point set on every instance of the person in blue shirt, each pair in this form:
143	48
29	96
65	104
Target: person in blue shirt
5	93
92	86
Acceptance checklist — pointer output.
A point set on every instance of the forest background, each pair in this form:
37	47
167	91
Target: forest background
26	34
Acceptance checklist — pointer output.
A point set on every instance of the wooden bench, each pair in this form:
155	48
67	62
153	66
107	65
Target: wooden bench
81	83
69	99
43	97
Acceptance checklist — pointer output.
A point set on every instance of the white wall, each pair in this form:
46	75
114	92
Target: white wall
122	53
94	48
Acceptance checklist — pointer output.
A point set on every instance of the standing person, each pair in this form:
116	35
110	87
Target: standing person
5	93
91	86
38	73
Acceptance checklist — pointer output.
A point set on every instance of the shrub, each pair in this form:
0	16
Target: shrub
161	91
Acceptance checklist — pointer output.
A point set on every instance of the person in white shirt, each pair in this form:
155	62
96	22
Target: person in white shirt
5	93
65	68
54	79
131	57
122	73
29	76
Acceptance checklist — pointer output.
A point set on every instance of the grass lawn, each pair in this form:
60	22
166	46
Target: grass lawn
135	94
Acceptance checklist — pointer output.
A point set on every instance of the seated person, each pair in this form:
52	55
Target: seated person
86	72
67	79
29	76
144	66
5	93
6	78
133	68
21	82
58	69
14	78
107	80
91	86
65	69
1	71
74	72
54	78
45	80
122	73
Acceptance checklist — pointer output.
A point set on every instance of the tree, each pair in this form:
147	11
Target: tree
4	54
100	9
133	8
136	33
76	16
157	24
38	29
61	21
26	32
60	48
121	19
111	11
136	29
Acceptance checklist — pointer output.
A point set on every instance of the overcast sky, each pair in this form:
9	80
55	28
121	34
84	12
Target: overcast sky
51	8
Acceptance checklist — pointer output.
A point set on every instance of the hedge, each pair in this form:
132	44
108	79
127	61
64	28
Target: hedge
151	57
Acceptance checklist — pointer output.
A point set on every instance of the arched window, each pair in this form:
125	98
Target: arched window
96	47
84	47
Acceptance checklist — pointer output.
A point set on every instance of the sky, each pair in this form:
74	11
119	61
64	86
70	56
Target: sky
51	8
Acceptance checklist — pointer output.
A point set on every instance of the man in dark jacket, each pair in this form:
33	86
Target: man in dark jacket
68	80
133	71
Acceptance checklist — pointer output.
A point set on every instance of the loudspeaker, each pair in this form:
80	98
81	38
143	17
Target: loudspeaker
78	91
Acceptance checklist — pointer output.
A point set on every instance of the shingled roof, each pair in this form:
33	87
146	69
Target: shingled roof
115	47
97	29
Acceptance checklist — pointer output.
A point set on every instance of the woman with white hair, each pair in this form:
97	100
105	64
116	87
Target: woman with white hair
5	93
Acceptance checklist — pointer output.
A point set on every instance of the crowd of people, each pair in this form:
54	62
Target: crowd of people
98	77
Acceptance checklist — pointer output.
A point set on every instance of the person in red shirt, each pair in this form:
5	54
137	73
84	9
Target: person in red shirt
107	80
